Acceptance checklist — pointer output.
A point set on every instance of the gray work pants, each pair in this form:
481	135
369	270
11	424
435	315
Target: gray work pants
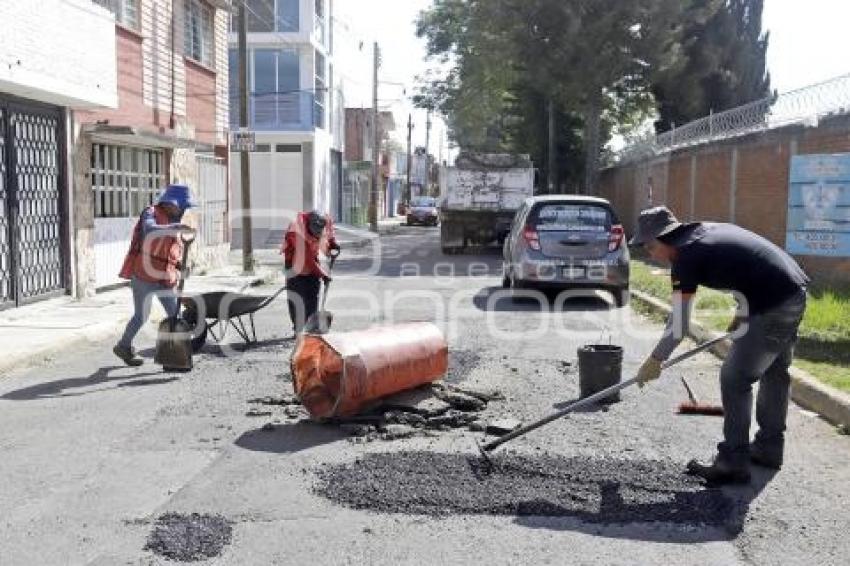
763	354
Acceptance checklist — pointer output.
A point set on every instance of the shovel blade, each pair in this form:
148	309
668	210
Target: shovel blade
174	346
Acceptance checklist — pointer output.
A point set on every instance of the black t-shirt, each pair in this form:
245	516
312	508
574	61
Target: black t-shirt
730	258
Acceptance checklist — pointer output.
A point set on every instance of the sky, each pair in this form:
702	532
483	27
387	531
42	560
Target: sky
391	23
809	43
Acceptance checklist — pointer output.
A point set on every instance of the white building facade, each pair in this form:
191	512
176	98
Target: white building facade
295	108
49	68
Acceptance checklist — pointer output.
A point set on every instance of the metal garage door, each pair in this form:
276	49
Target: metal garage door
32	224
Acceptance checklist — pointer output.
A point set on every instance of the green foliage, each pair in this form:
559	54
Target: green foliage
724	62
509	58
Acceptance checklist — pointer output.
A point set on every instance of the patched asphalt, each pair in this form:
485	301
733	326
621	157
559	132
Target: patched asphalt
594	490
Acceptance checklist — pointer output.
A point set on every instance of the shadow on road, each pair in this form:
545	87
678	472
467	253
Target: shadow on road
676	513
289	438
65	387
497	299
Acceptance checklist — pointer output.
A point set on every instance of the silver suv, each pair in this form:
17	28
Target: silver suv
567	242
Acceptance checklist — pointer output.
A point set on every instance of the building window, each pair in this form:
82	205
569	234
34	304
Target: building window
125	180
288	15
198	31
320	92
267	16
262	148
319	21
126	11
288	148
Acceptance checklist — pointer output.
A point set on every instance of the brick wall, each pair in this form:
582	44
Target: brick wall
131	110
200	106
743	180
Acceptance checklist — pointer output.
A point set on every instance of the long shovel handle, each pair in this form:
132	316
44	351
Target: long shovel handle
604	394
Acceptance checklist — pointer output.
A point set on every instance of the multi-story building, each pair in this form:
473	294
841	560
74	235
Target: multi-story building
295	109
357	167
168	124
56	56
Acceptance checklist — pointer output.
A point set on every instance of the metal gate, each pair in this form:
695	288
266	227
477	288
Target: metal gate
32	259
211	191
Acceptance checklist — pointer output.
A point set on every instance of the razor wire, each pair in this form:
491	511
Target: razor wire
807	106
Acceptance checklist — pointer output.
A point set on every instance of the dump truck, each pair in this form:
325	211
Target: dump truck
479	196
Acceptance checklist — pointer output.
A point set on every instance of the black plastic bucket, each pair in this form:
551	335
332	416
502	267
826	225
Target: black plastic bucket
599	367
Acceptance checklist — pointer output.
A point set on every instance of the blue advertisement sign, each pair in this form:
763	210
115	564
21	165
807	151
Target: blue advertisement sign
819	205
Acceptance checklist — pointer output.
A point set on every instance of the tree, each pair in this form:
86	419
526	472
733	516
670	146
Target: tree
724	63
592	60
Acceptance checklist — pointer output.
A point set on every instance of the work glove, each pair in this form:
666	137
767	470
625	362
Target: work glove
649	371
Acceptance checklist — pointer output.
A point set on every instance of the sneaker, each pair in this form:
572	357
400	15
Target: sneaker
766	458
127	355
719	472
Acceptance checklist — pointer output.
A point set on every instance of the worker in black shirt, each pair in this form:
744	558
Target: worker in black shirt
771	292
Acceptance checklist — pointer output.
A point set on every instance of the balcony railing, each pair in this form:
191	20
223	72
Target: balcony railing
276	112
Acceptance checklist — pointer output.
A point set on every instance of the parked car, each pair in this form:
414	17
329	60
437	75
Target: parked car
423	210
567	242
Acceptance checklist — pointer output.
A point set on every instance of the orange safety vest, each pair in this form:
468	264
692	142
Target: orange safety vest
156	258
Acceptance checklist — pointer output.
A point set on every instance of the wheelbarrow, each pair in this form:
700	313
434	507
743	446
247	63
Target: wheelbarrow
214	313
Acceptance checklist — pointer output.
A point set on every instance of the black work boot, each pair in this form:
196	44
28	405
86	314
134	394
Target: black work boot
766	457
719	472
127	355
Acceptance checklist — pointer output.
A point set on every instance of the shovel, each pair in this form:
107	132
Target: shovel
320	322
604	394
174	339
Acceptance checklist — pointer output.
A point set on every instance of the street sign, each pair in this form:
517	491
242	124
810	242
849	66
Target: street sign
243	140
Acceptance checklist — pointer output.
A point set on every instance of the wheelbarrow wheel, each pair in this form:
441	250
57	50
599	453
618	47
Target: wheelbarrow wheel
200	329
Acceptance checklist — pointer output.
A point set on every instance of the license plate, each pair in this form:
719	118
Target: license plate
573	272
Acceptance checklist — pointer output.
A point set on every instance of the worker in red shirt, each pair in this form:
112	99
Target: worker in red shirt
308	236
152	264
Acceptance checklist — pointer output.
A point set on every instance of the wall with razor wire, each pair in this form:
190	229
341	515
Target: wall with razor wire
740	177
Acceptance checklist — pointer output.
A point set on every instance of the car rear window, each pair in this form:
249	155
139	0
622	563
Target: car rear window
572	217
424	201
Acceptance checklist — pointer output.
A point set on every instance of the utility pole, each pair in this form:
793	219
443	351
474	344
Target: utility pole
245	156
409	156
550	165
428	153
376	143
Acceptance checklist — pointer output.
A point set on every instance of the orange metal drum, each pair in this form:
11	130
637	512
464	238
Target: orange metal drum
336	374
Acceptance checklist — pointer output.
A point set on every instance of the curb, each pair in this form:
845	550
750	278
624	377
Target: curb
830	403
95	333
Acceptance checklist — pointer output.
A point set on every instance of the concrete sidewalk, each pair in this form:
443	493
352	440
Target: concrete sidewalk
358	236
34	333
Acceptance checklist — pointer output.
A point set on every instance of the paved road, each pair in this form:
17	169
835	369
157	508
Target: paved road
92	453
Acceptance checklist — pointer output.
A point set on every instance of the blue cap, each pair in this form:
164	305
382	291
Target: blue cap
178	195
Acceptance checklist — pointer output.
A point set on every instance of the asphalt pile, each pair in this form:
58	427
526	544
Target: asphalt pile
189	538
602	491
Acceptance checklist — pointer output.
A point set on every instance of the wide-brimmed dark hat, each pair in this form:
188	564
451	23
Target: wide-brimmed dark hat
653	223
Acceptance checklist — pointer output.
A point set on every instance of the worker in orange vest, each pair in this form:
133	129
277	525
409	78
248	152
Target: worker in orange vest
153	263
310	234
